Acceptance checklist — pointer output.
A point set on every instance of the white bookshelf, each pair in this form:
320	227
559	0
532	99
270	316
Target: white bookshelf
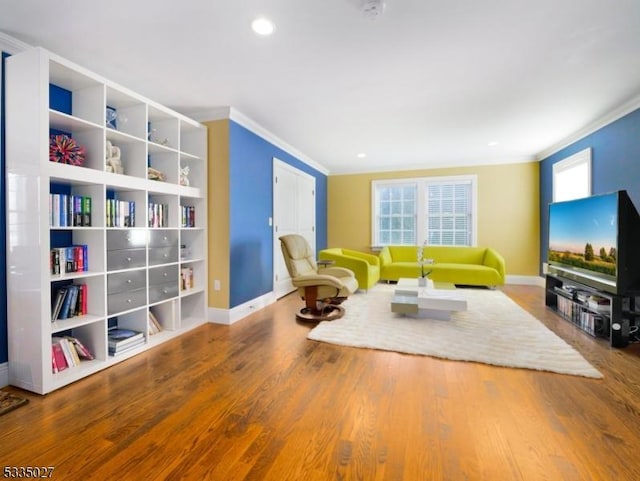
148	135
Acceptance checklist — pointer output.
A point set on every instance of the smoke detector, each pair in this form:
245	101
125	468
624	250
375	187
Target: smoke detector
372	9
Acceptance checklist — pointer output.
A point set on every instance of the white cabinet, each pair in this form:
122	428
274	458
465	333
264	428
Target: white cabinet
133	232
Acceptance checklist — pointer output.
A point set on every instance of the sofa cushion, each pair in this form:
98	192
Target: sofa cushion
455	255
471	274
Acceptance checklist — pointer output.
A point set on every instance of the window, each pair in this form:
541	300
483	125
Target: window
572	177
435	210
397	214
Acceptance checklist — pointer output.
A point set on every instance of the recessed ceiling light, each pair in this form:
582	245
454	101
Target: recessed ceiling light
263	26
362	155
492	143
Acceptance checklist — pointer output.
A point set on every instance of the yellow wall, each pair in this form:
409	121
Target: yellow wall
508	210
218	211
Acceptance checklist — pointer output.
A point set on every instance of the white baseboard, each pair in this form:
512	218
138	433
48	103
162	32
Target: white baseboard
229	316
526	280
4	374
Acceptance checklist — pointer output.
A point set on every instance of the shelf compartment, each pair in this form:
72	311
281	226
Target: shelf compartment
191	135
191	209
125	208
92	238
130	113
162	211
196	169
86	94
196	272
192	309
166	163
194	242
163	129
73	322
167	315
95	299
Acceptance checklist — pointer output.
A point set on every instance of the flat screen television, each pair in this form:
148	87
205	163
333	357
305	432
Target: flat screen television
596	241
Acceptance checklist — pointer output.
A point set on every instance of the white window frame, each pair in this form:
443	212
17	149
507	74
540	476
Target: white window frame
563	169
421	200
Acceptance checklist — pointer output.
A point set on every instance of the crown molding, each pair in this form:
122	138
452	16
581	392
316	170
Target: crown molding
234	114
609	118
434	165
217	113
12	45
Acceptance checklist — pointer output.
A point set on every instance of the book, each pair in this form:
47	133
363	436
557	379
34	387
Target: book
77	210
66	350
122	337
65	310
58	356
80	348
86	211
154	326
55	262
84	303
116	351
57	304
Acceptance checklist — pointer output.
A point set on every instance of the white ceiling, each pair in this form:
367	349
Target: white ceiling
428	84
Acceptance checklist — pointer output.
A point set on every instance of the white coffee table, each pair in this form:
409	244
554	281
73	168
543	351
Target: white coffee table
433	301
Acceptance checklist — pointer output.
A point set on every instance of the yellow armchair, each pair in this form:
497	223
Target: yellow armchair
366	267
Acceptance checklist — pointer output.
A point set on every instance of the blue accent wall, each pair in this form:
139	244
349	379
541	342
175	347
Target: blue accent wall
251	205
615	165
4	348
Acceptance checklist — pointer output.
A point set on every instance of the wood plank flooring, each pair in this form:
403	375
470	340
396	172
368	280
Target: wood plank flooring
257	401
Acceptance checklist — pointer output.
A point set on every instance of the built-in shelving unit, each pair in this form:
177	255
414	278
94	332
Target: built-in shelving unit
138	254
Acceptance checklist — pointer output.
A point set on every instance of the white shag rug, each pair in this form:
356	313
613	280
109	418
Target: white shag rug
493	330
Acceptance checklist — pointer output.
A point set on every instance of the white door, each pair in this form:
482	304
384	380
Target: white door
294	212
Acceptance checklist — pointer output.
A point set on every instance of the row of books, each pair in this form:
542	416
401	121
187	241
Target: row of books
154	326
158	215
120	213
123	340
186	278
69	301
591	322
69	259
67	352
67	210
188	216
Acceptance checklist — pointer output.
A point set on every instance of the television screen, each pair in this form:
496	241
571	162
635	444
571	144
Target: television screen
584	234
595	241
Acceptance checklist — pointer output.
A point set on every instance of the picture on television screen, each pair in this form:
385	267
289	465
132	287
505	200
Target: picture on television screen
583	234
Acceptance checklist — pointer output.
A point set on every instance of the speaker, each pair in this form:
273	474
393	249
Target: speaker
620	333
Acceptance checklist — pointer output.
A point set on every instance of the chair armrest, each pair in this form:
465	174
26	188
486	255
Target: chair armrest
493	259
356	265
337	272
369	258
318	280
385	256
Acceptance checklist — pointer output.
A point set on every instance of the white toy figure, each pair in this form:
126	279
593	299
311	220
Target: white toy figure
184	172
113	162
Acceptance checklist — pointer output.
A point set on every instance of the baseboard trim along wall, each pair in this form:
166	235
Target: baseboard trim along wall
526	280
229	316
4	374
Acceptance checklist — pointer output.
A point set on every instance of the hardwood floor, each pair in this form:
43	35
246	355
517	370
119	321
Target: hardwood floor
257	401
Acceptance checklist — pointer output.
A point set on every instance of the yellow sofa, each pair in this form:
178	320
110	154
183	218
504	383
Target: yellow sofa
474	266
366	267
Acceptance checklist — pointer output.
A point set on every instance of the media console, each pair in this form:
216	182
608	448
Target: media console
596	312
